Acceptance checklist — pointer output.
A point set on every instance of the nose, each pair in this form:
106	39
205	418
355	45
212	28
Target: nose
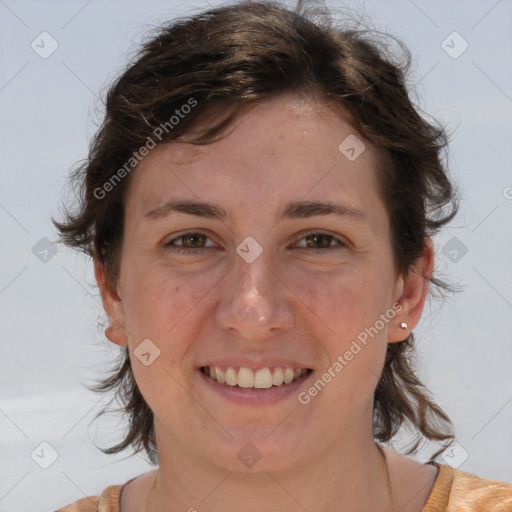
255	303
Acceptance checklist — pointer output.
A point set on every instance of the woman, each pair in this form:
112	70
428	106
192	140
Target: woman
259	204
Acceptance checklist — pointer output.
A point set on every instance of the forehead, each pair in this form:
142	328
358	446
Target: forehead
283	150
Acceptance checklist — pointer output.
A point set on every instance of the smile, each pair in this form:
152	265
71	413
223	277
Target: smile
263	378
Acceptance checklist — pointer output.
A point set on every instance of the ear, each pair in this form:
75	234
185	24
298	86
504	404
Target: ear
115	331
411	294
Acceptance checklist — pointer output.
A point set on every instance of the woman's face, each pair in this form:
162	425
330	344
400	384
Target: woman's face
273	284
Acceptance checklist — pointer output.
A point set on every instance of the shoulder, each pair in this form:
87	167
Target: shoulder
107	502
458	491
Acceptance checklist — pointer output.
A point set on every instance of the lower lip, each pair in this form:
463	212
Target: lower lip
256	396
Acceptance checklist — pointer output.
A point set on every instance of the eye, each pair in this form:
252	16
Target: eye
194	242
190	241
321	241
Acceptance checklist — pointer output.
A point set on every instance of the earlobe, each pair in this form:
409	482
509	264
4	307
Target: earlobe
112	305
412	295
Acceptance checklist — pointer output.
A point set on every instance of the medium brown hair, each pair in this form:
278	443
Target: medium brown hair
238	56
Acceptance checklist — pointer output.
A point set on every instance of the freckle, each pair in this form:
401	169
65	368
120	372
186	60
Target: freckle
177	289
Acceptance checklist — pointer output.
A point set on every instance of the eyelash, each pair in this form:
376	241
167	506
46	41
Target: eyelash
192	251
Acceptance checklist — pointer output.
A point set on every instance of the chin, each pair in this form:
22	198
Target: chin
255	453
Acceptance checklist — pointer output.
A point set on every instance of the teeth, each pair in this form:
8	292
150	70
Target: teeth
288	375
245	378
263	378
219	375
277	377
231	377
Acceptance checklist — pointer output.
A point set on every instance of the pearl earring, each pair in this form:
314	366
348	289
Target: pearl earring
403	325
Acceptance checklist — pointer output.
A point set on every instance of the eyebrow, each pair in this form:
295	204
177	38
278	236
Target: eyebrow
293	210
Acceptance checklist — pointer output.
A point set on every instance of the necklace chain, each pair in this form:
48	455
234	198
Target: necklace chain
151	491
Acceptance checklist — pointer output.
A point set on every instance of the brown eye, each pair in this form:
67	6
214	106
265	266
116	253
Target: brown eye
321	241
192	239
191	243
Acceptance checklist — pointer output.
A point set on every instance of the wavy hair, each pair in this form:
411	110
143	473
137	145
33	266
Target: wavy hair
238	56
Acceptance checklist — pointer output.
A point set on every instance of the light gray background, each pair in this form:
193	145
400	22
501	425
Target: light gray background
49	311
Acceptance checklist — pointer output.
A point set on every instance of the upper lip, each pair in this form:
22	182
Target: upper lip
255	364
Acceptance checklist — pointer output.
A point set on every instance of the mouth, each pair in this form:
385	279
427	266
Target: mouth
260	379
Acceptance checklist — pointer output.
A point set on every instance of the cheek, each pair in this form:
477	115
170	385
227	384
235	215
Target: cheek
346	307
345	301
163	305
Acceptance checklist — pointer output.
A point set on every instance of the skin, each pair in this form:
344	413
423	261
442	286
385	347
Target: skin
291	302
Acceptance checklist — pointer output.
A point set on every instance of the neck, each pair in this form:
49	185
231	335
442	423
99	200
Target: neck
352	476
